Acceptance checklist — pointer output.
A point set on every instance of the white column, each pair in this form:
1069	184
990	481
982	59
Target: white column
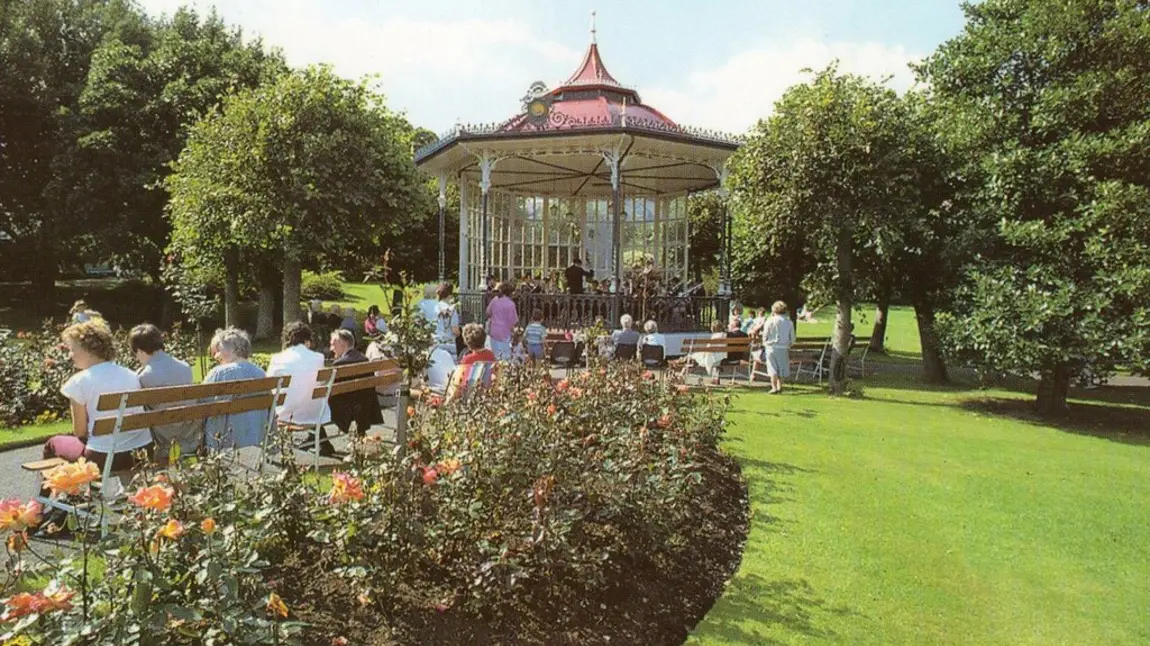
464	238
613	157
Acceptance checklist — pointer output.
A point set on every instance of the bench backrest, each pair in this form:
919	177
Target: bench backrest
245	395
365	375
721	345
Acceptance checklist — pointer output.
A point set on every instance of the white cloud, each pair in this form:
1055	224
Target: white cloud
475	69
436	70
734	95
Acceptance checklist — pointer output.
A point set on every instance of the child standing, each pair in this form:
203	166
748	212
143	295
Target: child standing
535	335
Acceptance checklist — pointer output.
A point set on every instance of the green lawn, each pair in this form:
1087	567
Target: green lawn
901	333
21	434
914	517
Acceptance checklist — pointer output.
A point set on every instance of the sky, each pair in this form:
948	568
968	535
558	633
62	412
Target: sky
718	64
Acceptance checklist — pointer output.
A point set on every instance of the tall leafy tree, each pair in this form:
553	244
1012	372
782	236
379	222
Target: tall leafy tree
828	171
309	165
45	49
705	213
1052	102
149	82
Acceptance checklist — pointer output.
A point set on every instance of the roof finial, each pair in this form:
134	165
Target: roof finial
592	26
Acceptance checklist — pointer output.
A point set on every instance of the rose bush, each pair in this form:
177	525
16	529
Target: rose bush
533	501
34	364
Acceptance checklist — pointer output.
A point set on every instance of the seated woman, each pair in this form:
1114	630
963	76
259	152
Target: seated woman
93	351
709	361
652	337
232	348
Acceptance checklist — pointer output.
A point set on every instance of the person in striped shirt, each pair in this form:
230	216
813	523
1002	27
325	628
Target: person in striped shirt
534	335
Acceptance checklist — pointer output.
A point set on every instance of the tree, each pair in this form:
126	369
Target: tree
1052	102
45	48
149	82
705	216
309	165
828	174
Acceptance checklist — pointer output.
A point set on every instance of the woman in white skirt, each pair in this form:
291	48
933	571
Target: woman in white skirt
778	335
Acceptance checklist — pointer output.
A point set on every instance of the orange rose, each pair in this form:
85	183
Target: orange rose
647	374
70	478
551	409
18	516
562	385
276	605
576	392
430	476
172	530
208	525
21	605
448	466
345	488
411	411
17	542
157	497
666	420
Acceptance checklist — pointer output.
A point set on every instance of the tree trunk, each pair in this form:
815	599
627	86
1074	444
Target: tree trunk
845	295
1052	389
231	288
293	276
878	336
265	314
933	366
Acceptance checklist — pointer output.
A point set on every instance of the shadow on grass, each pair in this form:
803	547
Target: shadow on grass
1124	424
752	606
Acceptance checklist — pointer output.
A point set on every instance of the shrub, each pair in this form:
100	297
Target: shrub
325	286
535	493
35	364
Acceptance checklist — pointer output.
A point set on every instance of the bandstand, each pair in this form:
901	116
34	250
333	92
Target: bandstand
588	171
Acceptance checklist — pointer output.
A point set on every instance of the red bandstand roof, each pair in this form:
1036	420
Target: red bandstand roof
555	146
591	98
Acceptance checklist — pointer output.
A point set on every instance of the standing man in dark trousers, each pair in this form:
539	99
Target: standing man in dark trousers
575	275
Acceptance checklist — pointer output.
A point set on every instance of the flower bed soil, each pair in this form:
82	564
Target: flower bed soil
656	602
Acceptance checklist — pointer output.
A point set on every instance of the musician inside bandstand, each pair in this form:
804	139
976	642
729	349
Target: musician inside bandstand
642	280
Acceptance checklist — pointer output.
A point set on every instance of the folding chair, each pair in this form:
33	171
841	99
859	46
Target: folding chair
563	354
653	356
626	351
468	378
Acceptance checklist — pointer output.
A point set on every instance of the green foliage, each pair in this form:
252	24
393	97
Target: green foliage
34	365
532	494
820	188
705	212
324	286
311	164
1049	103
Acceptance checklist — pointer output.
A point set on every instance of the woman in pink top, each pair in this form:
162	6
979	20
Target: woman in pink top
502	317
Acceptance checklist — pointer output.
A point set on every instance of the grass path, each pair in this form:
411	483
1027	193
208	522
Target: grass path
905	518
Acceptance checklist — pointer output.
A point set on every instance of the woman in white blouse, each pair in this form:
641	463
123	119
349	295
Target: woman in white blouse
93	352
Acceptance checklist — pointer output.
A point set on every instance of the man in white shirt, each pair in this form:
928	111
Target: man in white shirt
298	360
439	370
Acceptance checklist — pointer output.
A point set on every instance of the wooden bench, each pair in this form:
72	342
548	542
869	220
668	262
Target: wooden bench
724	346
812	355
184	404
353	377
